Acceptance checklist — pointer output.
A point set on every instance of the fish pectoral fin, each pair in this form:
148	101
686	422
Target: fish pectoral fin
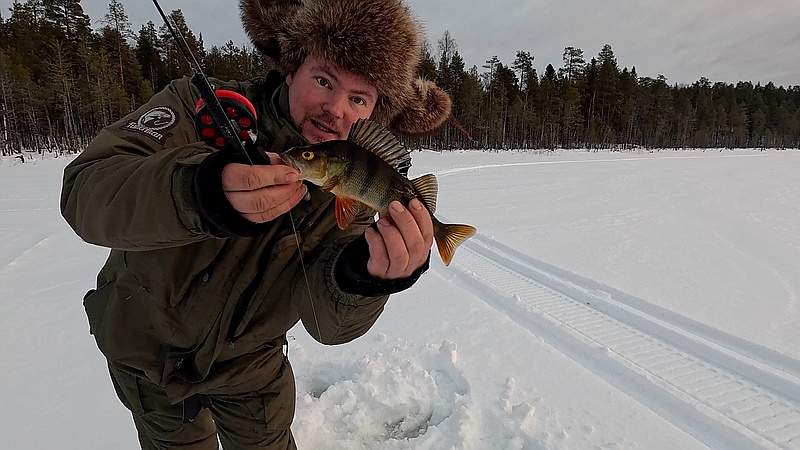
346	210
330	184
450	236
427	188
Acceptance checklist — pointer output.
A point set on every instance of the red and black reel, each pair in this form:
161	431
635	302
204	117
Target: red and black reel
237	109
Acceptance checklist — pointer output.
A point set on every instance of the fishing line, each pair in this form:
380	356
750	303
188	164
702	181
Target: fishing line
305	275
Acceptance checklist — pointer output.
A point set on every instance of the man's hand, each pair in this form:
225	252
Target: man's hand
402	242
262	193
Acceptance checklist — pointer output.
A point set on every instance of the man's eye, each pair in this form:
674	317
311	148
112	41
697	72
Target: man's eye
359	101
323	81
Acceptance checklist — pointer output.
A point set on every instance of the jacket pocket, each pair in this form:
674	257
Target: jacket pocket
168	274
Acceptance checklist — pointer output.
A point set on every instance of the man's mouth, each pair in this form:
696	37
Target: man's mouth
324	128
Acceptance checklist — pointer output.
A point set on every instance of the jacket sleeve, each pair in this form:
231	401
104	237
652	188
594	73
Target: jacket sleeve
131	189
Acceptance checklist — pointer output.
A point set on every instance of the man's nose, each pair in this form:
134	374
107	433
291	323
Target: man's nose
335	106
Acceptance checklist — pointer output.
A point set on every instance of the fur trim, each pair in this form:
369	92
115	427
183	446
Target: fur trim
426	112
377	39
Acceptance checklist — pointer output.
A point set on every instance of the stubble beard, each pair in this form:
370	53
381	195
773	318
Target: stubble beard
318	129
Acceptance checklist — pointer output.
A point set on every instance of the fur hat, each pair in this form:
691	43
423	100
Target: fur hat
377	39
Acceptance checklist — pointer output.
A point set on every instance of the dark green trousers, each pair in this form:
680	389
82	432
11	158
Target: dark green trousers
255	419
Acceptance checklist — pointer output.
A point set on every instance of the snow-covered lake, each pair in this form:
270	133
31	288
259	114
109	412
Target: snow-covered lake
609	301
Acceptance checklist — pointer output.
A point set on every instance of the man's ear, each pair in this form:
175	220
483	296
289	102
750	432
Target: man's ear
289	79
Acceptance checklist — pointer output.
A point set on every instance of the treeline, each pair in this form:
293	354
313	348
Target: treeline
62	81
596	104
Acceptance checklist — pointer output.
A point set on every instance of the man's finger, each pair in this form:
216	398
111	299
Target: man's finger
411	231
259	201
242	177
378	262
282	206
395	247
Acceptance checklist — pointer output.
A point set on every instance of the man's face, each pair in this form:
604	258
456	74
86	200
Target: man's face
325	101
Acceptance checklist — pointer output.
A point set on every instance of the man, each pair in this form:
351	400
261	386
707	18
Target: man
204	277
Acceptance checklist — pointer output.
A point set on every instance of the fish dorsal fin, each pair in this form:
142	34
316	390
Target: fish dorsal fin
427	188
382	143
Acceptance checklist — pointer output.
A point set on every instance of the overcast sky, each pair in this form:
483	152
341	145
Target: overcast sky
722	40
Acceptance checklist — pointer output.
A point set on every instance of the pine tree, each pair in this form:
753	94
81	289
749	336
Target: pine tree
427	65
607	94
68	18
60	70
118	30
523	65
574	64
445	78
173	52
149	50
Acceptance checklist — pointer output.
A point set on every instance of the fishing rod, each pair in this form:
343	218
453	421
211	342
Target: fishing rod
225	120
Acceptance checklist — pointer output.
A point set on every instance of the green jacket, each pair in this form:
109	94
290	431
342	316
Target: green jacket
173	298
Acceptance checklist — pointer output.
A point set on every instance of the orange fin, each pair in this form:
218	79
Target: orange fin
427	188
346	210
450	236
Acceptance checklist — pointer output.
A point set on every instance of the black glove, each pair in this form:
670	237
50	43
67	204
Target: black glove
353	277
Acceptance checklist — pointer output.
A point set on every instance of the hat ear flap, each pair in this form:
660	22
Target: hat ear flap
428	108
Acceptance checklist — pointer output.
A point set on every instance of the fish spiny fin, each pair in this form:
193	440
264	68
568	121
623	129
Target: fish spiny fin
346	210
450	236
382	143
427	188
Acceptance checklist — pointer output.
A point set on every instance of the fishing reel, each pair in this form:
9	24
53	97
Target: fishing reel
239	117
237	109
225	120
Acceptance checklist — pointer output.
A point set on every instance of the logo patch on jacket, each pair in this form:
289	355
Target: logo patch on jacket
155	123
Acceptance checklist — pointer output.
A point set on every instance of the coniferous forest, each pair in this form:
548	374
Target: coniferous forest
61	81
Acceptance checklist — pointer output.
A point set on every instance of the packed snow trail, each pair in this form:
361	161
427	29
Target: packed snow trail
722	390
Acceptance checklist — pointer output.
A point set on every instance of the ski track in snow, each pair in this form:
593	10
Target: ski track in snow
644	157
723	390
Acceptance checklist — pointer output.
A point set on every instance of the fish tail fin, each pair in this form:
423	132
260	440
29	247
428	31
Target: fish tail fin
449	236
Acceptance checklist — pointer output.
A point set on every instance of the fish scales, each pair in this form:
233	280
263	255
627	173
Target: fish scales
373	182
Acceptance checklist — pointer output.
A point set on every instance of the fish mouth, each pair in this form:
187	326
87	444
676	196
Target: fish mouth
288	160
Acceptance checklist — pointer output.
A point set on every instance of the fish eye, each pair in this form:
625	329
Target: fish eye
308	156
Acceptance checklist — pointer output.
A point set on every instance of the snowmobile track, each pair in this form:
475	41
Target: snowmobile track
726	392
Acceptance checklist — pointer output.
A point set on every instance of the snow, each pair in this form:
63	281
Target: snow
609	300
